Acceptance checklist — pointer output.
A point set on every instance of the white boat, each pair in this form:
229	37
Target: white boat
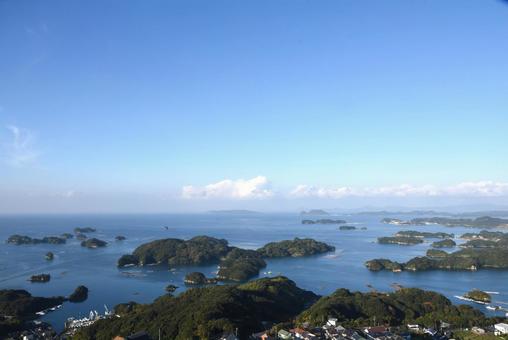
495	293
41	313
491	307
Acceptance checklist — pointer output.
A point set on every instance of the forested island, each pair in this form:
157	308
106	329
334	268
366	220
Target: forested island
23	239
423	234
478	296
80	294
479	222
465	259
84	230
447	243
41	278
209	312
295	248
235	264
93	243
400	240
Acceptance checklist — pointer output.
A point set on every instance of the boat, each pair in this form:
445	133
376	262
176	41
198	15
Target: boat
41	313
495	293
491	307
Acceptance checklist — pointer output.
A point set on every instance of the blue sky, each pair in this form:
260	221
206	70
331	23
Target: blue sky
181	105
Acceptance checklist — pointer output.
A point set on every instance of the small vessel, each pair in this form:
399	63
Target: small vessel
491	307
41	313
495	293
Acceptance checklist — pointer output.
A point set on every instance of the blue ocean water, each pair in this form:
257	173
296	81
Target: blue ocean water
96	268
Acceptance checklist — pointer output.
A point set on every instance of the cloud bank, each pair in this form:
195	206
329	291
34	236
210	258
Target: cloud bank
475	189
259	188
254	188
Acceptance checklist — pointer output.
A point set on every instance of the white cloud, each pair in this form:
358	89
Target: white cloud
19	150
477	189
254	188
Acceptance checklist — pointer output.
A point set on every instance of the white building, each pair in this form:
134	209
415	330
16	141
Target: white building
501	328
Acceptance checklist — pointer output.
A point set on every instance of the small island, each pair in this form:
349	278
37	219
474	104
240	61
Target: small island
80	294
447	243
436	253
295	248
49	256
93	243
120	238
85	230
21	239
173	252
423	234
67	236
197	278
323	221
400	240
347	227
478	296
171	289
40	278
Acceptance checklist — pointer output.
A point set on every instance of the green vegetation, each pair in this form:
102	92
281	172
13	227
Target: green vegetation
478	295
480	222
20	239
67	236
407	305
401	240
323	221
40	278
94	243
49	256
347	227
383	264
448	243
235	264
20	306
465	259
480	244
240	265
208	312
172	251
197	278
80	294
294	248
436	253
84	230
171	289
485	235
423	234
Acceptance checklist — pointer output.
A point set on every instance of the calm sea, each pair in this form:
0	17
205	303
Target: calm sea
96	268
